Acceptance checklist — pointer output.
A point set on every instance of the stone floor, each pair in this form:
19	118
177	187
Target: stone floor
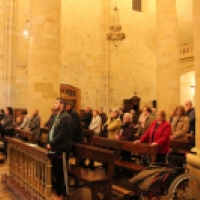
5	194
82	193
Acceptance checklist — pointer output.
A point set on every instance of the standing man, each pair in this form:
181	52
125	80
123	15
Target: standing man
87	118
77	128
60	141
190	113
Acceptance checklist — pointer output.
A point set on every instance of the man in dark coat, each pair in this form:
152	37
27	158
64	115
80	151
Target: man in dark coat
49	122
77	128
87	118
103	115
60	141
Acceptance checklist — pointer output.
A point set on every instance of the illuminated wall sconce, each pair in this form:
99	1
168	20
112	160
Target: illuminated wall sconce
26	29
192	87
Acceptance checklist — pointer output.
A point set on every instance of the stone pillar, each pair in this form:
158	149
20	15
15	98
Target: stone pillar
168	72
194	160
8	53
44	56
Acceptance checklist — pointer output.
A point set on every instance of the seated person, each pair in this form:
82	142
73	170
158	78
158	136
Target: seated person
145	120
126	133
95	124
112	126
158	134
180	124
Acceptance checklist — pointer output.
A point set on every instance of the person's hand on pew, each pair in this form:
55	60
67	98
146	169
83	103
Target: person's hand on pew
136	142
172	137
117	137
154	144
48	146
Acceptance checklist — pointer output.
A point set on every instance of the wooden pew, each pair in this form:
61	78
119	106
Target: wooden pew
25	134
191	139
95	180
118	146
88	134
44	134
180	145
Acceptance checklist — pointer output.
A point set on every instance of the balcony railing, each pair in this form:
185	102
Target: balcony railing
187	51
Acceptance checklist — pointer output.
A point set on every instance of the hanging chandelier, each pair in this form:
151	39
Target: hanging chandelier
116	35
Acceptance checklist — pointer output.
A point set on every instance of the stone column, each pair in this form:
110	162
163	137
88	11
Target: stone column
7	82
194	160
44	56
168	72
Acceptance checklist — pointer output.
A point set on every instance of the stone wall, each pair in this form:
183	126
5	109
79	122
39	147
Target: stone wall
88	61
84	49
132	66
21	54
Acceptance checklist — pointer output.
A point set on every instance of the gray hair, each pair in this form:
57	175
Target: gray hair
189	102
128	116
115	110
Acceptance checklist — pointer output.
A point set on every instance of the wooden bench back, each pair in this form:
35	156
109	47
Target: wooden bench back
142	148
182	145
25	134
105	143
89	135
96	154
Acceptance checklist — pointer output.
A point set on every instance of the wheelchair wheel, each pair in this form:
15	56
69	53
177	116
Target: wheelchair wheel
184	187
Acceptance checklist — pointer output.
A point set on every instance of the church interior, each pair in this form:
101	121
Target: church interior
70	49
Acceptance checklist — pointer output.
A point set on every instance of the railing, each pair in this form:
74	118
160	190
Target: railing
187	51
29	168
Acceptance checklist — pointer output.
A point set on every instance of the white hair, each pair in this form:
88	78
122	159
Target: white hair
128	116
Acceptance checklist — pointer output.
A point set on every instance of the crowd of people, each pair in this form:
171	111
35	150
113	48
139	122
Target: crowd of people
66	126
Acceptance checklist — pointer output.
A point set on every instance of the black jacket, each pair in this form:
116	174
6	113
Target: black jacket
191	115
87	118
77	128
62	137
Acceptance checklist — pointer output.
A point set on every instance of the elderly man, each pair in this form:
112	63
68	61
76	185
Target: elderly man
190	113
34	126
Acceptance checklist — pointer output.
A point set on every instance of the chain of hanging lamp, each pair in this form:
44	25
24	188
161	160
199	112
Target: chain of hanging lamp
116	36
